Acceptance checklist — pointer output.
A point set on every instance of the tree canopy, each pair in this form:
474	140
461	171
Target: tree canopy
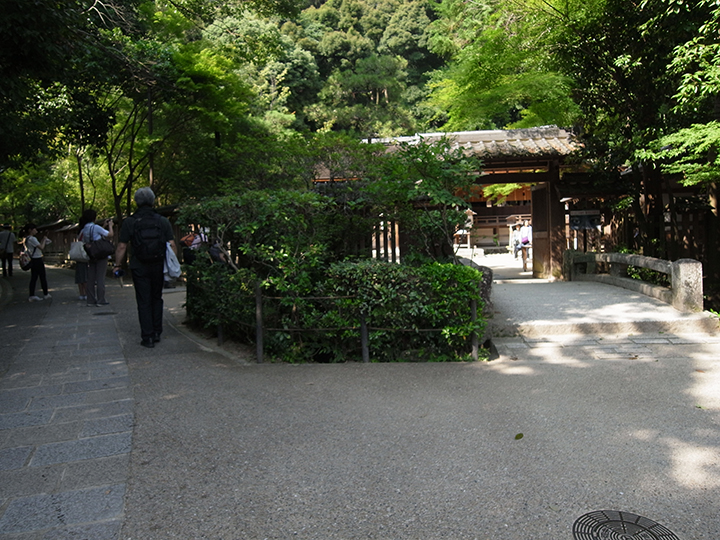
201	98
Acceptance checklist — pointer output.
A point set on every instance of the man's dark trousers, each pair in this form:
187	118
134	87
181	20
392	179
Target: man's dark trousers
7	264
148	281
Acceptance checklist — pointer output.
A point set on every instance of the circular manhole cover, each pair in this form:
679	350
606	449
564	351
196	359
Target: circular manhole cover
616	525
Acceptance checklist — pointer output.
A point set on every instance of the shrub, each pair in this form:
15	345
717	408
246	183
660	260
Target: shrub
299	243
217	295
420	313
413	313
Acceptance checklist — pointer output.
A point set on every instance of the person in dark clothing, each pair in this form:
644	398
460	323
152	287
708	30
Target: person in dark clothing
7	250
37	269
148	233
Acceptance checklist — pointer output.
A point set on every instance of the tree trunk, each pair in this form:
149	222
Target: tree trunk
674	243
151	157
657	241
78	158
712	249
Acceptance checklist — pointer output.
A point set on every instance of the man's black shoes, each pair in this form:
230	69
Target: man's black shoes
151	341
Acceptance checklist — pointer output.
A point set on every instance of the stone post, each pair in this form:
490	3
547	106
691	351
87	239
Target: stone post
687	285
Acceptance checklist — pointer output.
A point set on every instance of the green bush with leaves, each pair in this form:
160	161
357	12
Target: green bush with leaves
218	296
309	250
413	313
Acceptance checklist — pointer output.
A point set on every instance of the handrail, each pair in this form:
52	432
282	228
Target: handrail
684	294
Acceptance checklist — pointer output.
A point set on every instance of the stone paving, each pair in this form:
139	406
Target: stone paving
66	419
602	347
101	439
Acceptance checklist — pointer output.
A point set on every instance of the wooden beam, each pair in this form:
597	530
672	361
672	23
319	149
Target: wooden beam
514	178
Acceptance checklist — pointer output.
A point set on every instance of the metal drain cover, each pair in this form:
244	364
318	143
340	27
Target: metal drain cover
615	525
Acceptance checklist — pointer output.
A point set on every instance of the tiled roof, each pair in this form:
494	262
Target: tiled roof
539	142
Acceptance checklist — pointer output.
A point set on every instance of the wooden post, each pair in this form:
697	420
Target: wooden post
220	337
475	344
364	340
393	239
377	242
385	242
258	323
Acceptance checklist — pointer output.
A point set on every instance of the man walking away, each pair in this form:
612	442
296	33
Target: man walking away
148	233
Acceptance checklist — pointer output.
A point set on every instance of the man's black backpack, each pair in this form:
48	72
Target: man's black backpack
148	241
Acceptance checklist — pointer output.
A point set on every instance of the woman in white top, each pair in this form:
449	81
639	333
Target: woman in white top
37	264
95	286
525	242
81	267
515	239
526	233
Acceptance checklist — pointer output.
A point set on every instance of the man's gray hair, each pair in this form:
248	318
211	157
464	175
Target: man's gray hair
144	197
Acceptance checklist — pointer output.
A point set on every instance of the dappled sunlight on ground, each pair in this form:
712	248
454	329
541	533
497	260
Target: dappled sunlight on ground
510	369
646	407
694	466
705	389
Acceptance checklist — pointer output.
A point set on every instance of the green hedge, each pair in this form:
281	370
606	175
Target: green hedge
414	313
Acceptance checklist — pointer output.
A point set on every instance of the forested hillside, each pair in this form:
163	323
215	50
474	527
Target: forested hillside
200	97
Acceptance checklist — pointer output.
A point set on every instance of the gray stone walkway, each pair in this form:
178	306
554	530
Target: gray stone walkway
599	347
66	418
101	439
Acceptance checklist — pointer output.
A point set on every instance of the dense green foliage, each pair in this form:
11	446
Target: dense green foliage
309	251
225	94
201	98
413	313
499	72
198	97
278	228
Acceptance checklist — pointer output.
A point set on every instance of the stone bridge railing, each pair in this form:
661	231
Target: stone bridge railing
685	292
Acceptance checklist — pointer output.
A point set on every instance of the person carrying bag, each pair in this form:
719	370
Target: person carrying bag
77	251
99	248
34	247
147	233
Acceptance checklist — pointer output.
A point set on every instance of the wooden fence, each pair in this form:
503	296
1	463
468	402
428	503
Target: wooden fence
364	329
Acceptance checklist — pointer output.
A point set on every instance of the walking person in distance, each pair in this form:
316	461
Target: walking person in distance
525	242
147	233
7	250
97	268
515	239
37	264
81	269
